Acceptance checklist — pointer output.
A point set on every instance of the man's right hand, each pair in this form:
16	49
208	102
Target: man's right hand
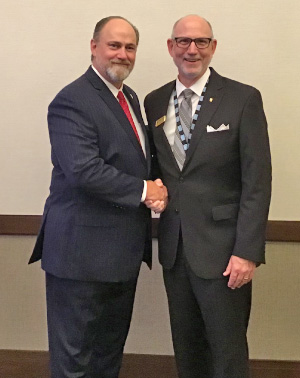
156	196
156	191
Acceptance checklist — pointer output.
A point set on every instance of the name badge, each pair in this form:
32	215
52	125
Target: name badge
160	121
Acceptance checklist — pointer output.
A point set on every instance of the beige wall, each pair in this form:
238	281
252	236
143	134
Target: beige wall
274	327
45	45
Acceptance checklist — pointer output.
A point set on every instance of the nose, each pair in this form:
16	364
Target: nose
122	54
192	48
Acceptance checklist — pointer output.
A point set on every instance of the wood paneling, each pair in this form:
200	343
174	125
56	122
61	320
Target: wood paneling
31	364
280	231
283	231
19	224
24	364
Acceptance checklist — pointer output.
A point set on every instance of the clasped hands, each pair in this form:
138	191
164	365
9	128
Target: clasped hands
157	196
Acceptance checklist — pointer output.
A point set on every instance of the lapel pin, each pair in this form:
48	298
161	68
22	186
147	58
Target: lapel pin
160	121
211	99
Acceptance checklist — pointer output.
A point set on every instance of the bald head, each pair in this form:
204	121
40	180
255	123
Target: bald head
192	19
195	49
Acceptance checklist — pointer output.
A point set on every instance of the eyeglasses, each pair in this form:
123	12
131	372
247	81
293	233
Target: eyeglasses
185	42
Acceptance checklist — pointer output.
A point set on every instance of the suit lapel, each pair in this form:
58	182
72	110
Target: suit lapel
137	111
158	131
212	100
110	100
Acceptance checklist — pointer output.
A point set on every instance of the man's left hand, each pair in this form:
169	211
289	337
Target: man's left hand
240	272
157	206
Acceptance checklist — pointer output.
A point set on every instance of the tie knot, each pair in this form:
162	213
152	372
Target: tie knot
121	96
187	94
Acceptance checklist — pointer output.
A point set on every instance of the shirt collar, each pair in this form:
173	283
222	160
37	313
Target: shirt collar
197	87
109	85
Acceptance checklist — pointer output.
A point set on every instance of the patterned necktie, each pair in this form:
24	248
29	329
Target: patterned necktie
124	105
185	114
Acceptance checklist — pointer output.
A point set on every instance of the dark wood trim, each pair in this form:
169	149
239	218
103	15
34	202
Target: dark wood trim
33	364
19	364
283	231
274	369
19	224
280	231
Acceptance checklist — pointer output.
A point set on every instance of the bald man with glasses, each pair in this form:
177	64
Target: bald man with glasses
211	150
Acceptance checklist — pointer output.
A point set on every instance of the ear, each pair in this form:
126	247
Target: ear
214	45
170	44
93	46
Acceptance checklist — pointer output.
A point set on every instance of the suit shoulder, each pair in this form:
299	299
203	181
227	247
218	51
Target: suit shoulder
240	87
159	91
76	85
240	93
76	91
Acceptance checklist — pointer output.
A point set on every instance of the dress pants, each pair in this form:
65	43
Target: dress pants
209	323
88	323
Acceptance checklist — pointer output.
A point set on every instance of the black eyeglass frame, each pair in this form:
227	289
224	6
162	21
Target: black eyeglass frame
193	40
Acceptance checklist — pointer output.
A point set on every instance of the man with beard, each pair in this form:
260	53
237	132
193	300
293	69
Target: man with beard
212	146
96	228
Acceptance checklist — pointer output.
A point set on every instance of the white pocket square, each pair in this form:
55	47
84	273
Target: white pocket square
211	129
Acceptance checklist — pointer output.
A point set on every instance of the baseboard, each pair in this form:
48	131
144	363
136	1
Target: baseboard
24	364
34	364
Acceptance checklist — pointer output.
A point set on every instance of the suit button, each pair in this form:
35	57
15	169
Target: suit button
176	211
180	179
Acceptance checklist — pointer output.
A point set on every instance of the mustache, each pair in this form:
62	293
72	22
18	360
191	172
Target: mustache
124	62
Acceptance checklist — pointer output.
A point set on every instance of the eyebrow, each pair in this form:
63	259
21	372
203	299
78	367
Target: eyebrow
121	43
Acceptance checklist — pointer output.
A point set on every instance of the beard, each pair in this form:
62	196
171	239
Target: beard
118	72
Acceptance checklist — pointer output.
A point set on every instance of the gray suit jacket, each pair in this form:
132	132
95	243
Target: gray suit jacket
94	226
220	199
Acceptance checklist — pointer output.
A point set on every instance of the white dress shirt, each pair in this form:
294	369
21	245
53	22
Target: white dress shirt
197	88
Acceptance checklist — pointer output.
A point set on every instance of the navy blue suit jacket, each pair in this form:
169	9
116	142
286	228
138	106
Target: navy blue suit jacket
94	227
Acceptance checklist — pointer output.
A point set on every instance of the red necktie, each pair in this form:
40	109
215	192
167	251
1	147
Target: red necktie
123	103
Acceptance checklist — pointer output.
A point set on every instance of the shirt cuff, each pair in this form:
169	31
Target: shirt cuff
144	191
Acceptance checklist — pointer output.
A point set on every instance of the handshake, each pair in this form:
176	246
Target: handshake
157	196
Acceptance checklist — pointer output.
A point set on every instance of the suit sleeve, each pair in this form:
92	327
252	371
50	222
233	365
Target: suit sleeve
75	151
256	181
